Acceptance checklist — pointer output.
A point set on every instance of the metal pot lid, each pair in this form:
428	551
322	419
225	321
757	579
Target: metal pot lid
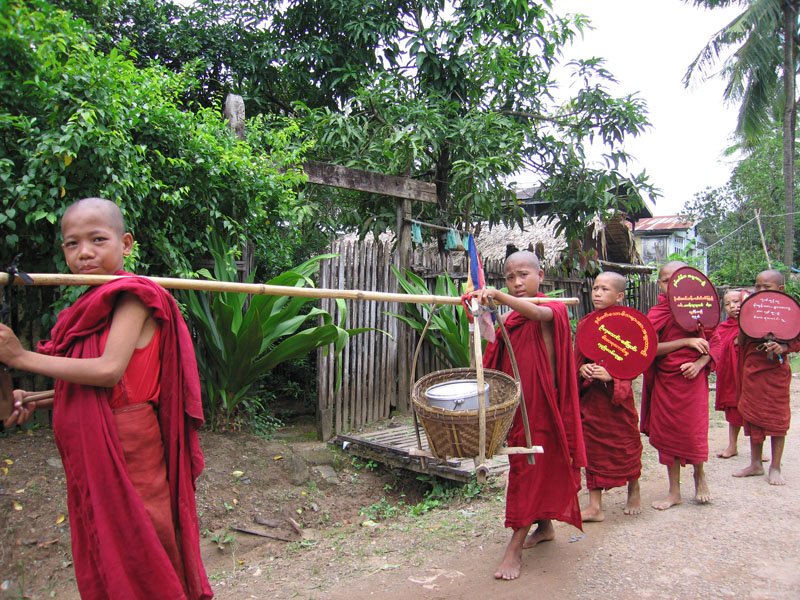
455	389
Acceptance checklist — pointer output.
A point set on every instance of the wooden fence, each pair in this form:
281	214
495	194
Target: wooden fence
376	367
374	373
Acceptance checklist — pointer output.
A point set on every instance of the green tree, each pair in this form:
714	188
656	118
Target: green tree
458	93
726	216
78	122
241	339
469	106
761	75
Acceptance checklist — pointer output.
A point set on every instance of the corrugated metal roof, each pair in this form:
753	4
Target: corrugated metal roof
663	223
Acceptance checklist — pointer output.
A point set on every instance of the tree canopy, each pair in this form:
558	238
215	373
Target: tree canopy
462	94
761	75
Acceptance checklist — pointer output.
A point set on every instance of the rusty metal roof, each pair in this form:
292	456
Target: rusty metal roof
663	223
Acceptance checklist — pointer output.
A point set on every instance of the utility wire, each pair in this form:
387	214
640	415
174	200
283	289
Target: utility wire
707	248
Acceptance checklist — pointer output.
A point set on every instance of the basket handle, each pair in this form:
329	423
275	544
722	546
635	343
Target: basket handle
414	370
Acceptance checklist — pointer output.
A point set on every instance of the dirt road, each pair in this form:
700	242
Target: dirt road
743	545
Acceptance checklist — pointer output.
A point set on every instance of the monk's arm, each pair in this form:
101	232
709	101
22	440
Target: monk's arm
698	344
535	312
127	323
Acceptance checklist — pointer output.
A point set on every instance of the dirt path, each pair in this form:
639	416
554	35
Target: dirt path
743	544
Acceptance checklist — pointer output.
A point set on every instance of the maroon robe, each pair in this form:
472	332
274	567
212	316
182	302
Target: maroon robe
764	389
548	489
115	547
610	430
725	354
674	408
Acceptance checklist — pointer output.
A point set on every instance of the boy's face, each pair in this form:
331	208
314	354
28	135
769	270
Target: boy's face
92	246
605	294
733	302
765	282
523	278
664	275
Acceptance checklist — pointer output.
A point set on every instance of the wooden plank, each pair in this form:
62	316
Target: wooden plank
372	445
347	400
340	395
372	399
386	390
396	437
369	181
324	409
362	319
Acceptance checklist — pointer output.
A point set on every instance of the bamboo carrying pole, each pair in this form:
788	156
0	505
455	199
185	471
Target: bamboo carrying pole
481	398
174	283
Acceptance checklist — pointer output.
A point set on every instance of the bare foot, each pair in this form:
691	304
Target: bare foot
510	566
543	533
749	471
668	502
728	453
592	514
634	504
702	495
775	477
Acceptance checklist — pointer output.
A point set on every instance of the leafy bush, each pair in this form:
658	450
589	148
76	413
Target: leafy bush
448	333
77	122
242	338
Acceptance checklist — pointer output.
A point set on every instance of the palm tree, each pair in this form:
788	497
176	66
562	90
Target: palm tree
764	36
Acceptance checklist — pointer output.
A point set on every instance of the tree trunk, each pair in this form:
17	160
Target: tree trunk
789	117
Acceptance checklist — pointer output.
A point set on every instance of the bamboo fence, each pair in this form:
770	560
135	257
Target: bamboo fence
372	370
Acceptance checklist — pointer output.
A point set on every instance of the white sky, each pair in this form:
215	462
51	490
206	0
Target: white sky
648	44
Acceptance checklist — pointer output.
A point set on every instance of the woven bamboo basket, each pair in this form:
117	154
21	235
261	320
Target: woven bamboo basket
455	433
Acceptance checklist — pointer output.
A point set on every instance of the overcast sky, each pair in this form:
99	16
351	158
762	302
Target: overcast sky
648	44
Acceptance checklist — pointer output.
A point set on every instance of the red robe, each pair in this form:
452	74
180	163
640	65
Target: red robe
725	354
764	389
674	408
610	431
115	547
548	489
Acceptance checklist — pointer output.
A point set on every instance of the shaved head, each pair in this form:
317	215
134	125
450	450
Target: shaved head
524	257
614	279
770	280
111	213
773	276
732	294
671	267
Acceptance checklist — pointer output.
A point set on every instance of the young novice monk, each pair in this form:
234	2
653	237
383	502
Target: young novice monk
541	339
724	348
765	377
609	417
675	398
126	379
